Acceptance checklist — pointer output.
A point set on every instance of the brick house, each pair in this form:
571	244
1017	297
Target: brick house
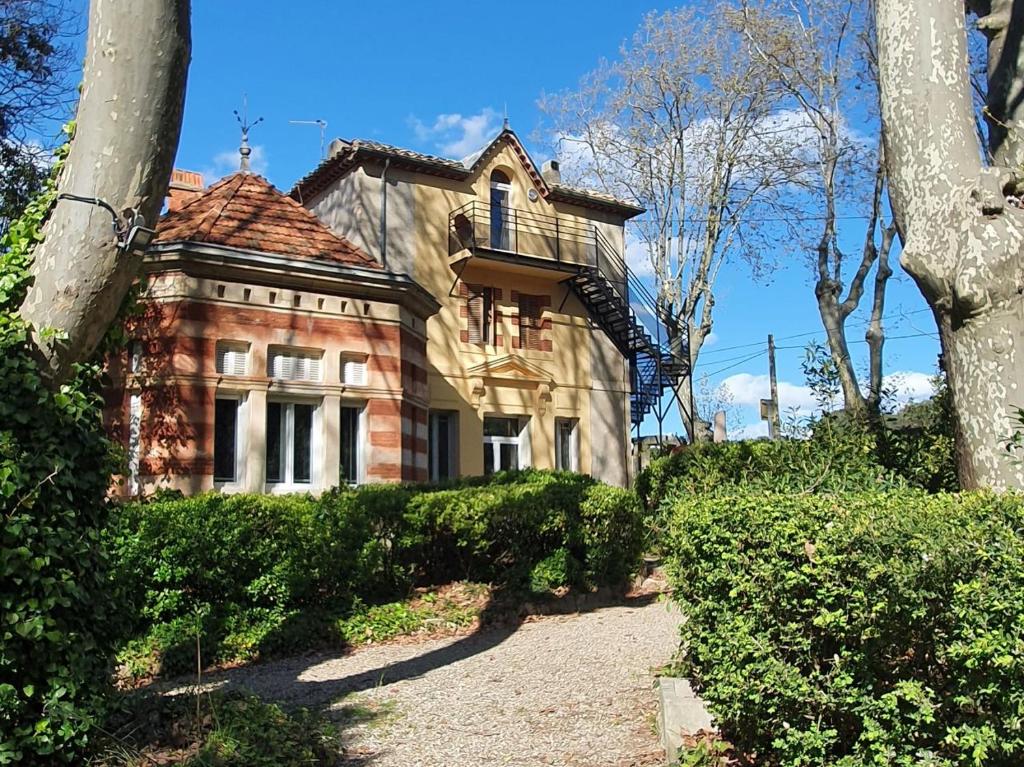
397	317
271	354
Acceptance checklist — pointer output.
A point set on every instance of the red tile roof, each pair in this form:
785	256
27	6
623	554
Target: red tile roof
245	211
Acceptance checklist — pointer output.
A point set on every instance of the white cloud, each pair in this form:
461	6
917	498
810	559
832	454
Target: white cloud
456	135
750	431
227	162
749	390
908	385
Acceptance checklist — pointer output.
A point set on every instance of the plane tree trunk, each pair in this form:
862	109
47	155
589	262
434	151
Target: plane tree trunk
962	239
127	129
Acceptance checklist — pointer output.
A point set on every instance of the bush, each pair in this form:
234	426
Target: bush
229	730
839	455
58	616
876	628
249	574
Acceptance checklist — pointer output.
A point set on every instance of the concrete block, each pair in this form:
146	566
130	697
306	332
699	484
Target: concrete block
680	712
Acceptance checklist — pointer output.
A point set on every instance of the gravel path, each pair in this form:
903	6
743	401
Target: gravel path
558	690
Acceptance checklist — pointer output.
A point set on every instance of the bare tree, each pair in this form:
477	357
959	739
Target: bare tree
129	121
821	53
962	237
682	124
36	93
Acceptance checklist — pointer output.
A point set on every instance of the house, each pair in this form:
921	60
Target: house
536	356
398	317
270	353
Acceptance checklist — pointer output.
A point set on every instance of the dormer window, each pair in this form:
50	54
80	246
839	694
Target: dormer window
501	219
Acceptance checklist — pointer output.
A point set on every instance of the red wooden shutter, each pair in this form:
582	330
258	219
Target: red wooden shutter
480	305
529	322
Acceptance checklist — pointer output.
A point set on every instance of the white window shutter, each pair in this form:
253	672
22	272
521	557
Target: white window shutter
232	359
354	371
290	365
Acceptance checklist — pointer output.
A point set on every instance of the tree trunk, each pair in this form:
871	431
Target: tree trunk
962	242
127	129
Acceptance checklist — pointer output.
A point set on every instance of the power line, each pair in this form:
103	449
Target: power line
719	350
736	364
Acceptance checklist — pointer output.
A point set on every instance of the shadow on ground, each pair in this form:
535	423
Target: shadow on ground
498	622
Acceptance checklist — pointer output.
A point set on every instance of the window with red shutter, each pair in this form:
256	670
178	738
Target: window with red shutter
529	322
481	307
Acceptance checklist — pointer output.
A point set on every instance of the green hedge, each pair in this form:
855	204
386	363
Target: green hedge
876	628
252	573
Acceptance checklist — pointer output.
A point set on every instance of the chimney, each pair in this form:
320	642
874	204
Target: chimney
185	186
550	173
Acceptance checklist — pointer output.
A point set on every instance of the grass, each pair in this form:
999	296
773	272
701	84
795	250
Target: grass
215	730
169	648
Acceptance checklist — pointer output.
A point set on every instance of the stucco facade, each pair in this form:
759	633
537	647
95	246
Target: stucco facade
571	382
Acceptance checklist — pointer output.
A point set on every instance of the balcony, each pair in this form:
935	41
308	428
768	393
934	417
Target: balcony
519	236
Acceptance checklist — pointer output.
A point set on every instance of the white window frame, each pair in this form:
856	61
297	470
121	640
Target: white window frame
225	347
521	441
361	434
359	367
240	432
306	357
134	441
500	186
287	484
574	444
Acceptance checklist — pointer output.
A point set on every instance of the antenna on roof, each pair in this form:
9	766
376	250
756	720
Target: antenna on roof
243	120
505	126
323	130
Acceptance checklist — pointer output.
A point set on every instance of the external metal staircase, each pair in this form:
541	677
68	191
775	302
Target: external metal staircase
597	275
654	369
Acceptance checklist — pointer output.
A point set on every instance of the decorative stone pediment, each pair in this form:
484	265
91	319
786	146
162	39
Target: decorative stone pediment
510	370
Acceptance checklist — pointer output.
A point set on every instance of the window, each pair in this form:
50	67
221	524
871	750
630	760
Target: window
501	188
566	446
481	315
225	439
442	440
134	441
293	365
350	458
290	443
135	357
529	322
353	369
505	444
232	358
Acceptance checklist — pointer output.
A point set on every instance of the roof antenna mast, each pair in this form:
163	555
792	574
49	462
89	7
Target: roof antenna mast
322	124
243	120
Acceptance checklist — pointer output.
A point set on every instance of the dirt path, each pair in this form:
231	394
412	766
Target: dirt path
558	690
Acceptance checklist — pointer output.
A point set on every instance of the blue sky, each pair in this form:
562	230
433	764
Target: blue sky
437	77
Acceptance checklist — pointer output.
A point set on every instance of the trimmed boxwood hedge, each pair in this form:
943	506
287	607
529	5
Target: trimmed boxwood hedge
251	573
869	628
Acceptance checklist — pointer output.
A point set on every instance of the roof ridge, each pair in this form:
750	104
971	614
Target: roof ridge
211	217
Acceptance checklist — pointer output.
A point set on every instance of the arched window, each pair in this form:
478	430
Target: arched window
501	217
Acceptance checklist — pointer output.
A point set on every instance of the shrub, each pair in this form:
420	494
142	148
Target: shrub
858	629
229	730
58	617
249	574
839	455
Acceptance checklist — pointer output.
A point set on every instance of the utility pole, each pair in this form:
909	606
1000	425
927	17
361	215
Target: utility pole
774	426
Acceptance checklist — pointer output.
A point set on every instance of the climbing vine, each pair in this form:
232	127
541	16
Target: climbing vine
58	616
